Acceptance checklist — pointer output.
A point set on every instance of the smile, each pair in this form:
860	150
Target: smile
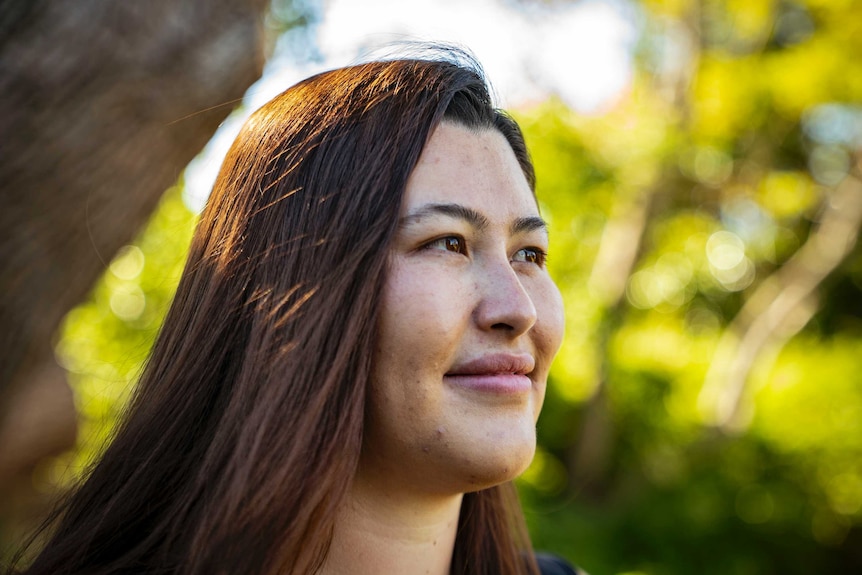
495	373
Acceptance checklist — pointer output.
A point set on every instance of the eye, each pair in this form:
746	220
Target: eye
531	255
449	243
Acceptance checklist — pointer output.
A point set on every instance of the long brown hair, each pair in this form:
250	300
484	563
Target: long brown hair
245	431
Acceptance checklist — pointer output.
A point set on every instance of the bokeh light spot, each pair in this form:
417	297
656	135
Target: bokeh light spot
728	262
128	302
128	263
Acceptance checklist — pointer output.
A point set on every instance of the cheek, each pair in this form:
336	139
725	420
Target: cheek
550	319
422	313
416	343
547	333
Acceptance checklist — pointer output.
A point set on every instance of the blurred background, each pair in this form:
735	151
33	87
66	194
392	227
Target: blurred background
700	166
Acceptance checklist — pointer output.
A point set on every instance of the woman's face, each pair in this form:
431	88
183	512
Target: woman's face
469	324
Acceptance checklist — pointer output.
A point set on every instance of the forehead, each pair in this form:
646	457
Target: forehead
475	168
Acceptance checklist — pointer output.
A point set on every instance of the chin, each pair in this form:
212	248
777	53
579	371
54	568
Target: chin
499	463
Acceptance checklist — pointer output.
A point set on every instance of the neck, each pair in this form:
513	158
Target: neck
385	531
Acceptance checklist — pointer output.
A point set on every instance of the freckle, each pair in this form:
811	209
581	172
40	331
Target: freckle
435	542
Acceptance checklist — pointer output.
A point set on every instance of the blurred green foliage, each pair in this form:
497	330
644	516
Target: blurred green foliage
105	342
696	422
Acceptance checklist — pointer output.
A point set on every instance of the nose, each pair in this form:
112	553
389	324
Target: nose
504	304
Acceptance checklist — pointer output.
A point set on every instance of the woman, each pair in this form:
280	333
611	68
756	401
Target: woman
350	374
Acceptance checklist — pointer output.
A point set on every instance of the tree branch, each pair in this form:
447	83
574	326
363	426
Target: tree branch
782	304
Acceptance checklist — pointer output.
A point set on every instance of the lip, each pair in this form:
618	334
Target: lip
500	373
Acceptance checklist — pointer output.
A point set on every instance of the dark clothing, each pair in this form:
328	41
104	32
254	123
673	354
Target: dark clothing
553	565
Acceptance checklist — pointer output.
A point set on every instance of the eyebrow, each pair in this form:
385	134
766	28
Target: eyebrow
471	216
532	223
456	211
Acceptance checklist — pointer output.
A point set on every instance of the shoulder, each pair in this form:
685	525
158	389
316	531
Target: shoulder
553	565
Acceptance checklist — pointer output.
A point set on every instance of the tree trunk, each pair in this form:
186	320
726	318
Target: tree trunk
103	105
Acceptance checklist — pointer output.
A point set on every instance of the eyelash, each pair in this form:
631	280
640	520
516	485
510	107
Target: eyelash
538	255
445	243
541	257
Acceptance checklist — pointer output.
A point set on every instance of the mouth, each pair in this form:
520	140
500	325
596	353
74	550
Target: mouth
500	373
